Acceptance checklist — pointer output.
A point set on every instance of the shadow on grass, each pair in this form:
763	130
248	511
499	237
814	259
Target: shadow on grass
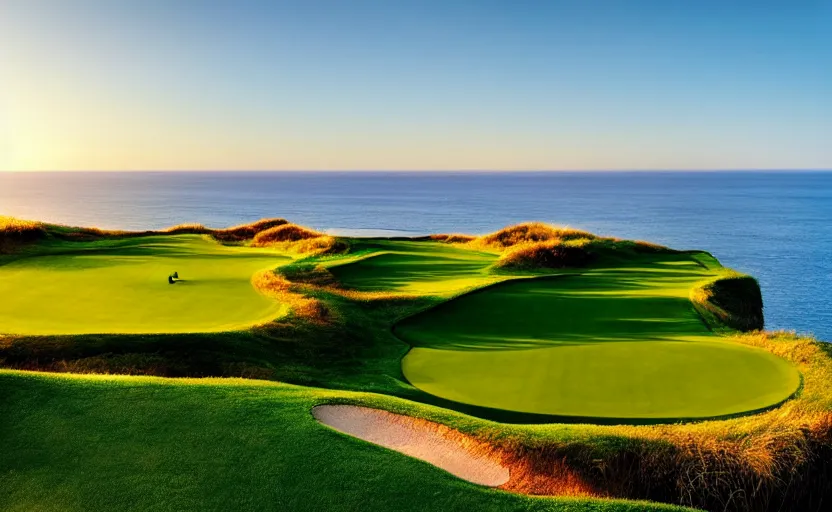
392	271
519	418
551	311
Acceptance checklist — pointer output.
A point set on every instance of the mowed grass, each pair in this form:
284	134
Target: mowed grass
410	267
609	332
136	443
121	286
604	343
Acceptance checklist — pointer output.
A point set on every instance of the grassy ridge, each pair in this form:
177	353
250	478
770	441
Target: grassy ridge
775	459
298	240
16	232
110	443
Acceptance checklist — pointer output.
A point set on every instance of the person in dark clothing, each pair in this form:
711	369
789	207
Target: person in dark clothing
170	280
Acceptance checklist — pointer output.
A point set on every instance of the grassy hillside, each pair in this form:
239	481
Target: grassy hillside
116	443
459	330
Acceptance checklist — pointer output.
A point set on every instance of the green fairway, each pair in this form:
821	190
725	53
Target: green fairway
75	443
121	286
606	343
415	267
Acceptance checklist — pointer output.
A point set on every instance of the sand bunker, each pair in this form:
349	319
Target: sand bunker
456	453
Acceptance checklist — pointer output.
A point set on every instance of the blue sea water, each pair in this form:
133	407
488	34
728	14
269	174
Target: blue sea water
775	226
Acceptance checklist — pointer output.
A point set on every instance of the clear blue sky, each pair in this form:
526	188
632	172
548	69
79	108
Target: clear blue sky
398	84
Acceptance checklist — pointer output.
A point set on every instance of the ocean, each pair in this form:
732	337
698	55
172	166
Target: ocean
776	226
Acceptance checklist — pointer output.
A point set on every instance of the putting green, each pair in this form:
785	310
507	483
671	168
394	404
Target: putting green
621	343
121	286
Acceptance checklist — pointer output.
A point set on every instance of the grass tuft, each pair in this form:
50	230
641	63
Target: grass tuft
284	233
14	232
299	240
284	291
247	231
233	234
452	238
10	226
555	253
528	232
571	252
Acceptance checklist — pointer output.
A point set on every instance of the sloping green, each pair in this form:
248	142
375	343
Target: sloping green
615	343
421	268
121	286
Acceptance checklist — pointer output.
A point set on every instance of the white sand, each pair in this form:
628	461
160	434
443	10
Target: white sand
437	444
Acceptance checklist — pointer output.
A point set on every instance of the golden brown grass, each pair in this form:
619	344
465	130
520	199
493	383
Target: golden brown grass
555	253
182	229
233	234
238	233
453	238
298	240
286	292
320	279
15	232
10	226
526	233
285	233
247	231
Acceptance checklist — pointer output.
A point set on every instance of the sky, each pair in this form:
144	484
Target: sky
415	85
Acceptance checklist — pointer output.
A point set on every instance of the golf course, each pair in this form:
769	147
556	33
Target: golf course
269	366
121	286
622	343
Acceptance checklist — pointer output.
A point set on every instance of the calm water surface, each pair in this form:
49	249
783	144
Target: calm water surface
775	226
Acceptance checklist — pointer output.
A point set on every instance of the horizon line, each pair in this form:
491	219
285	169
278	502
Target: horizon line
674	170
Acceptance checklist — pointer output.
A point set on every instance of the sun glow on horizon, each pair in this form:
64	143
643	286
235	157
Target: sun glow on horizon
128	85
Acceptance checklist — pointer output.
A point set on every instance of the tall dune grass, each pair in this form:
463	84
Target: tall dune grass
14	232
555	253
10	226
240	233
452	238
571	252
299	240
526	233
247	231
278	287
